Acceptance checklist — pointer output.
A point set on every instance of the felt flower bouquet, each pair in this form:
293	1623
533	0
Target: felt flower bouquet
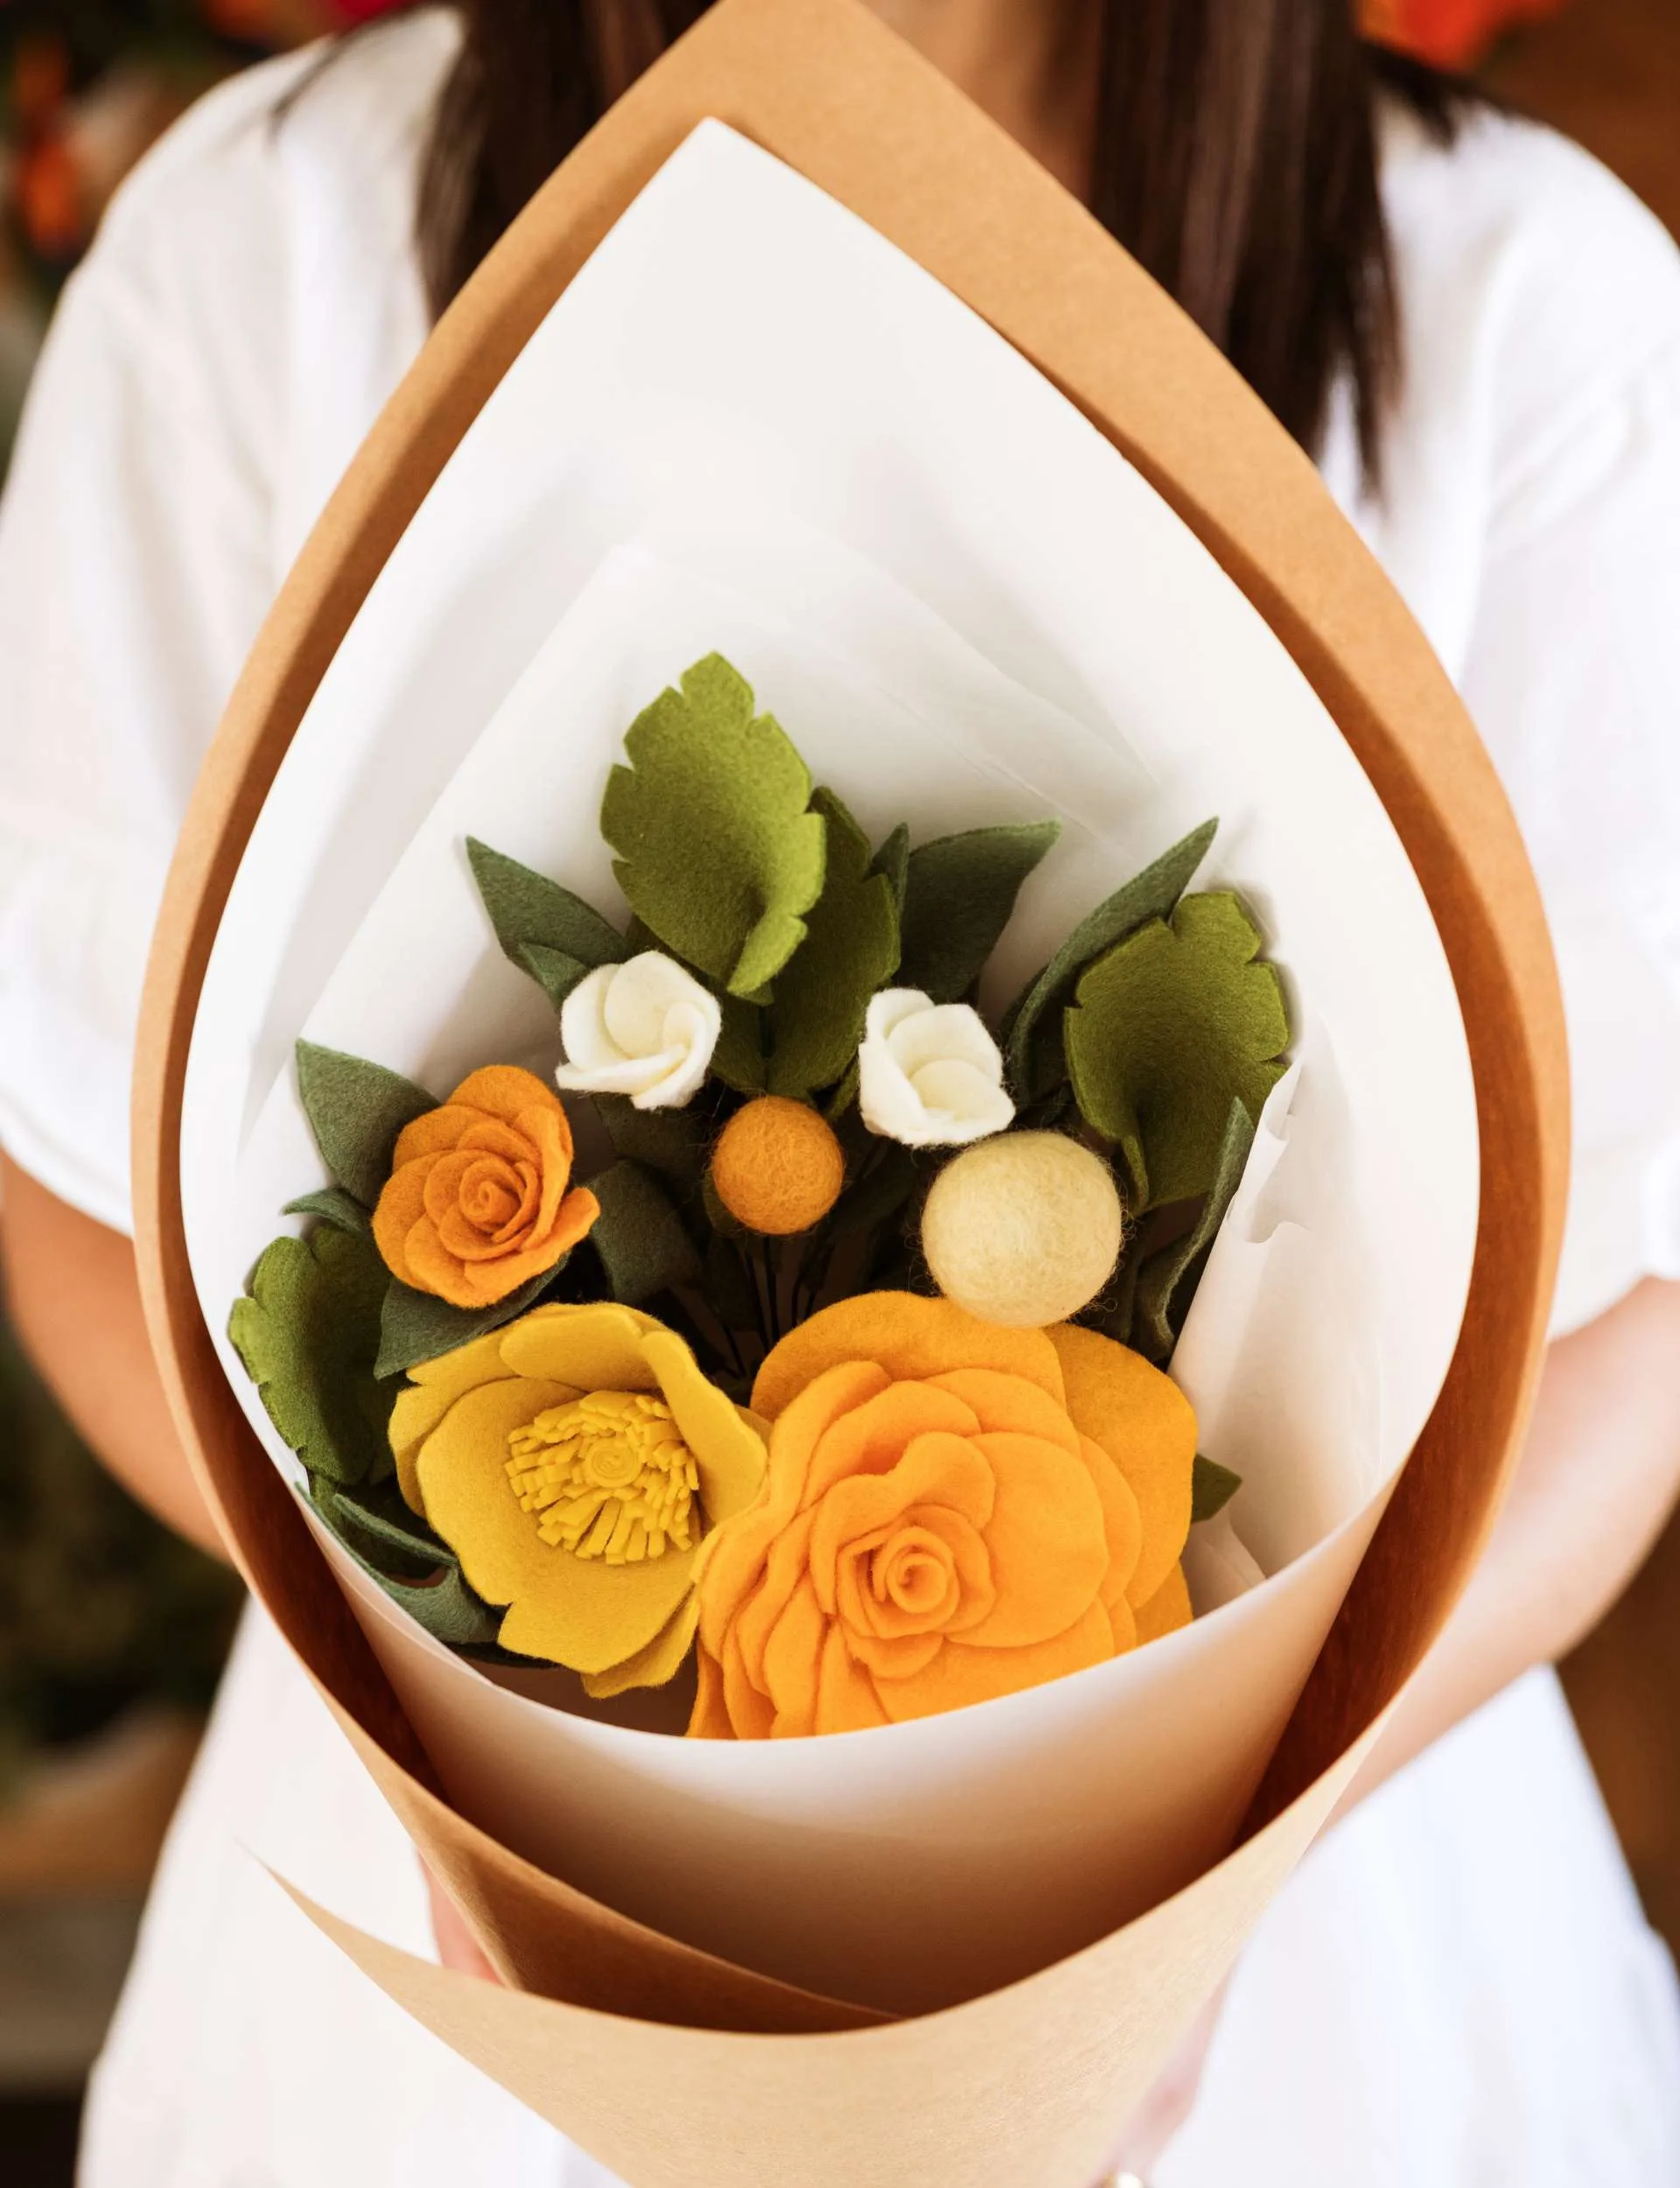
800	1343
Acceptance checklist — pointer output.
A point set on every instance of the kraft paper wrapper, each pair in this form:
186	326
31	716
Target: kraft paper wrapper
673	2067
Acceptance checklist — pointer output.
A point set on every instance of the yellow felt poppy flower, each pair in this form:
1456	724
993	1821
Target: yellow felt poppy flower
575	1462
952	1510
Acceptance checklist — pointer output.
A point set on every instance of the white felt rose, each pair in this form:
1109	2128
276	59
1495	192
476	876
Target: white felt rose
929	1074
645	1028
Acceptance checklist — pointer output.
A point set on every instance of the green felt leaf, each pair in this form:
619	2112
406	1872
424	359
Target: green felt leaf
890	1181
532	914
1166	1282
738	1059
1150	894
387	1528
894	860
1168	1028
1212	1487
671	1142
640	1235
850	949
717	850
718	1215
447	1608
355	1110
308	1332
554	972
960	892
333	1205
417	1326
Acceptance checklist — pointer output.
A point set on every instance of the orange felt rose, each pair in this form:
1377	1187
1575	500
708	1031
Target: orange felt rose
937	1524
476	1204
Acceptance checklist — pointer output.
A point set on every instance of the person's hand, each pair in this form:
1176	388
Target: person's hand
457	1946
1168	2105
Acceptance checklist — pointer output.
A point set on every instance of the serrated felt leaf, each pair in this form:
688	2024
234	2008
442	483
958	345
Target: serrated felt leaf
960	892
1166	1282
640	1237
333	1205
1212	1487
718	851
355	1110
555	973
671	1141
446	1607
850	949
1150	894
417	1326
529	911
894	860
307	1332
1168	1028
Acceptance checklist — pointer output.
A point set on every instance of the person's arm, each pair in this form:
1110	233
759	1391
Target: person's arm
74	1298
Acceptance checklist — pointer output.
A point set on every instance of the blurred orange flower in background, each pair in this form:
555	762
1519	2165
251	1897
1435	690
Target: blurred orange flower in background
1451	34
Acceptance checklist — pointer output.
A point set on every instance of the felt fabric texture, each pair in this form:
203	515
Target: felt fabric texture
643	1245
959	894
417	1326
937	1527
1212	1488
575	1461
930	1075
1166	1282
355	1110
718	851
1150	894
1024	1228
1167	1608
1148	1427
543	928
894	860
850	949
645	1028
331	1204
777	1167
1167	1029
308	1333
741	1059
477	1202
442	1602
671	1142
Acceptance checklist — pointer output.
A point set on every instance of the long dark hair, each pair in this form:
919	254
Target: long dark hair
1234	155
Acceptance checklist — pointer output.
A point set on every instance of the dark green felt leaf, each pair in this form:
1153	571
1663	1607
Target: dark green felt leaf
356	1109
894	860
389	1530
555	973
718	852
447	1608
1168	1028
850	949
307	1332
1166	1282
529	911
1150	894
960	892
671	1142
640	1235
739	1060
1212	1487
333	1205
417	1326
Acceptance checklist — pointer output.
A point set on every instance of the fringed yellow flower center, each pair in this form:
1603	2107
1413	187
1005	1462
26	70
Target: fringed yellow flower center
609	1475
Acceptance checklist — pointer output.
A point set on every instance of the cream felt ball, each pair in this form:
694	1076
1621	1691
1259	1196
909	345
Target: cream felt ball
1023	1230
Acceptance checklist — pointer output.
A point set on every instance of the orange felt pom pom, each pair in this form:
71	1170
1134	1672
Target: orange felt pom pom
777	1167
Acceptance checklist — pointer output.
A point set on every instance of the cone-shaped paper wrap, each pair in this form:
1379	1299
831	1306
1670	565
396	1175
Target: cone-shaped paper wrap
1033	2078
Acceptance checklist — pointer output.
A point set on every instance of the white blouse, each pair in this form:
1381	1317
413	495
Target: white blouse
1417	2008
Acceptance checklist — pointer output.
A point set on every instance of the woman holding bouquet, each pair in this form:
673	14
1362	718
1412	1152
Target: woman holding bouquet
1477	333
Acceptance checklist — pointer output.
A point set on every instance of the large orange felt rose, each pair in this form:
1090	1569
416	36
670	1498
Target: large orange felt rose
476	1204
946	1517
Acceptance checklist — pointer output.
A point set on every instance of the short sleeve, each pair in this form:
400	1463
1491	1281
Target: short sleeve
1573	676
135	563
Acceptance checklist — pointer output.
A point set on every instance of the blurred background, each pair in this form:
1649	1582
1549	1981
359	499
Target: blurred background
111	1633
